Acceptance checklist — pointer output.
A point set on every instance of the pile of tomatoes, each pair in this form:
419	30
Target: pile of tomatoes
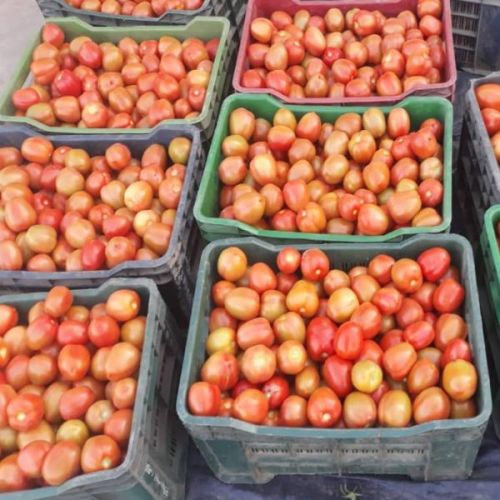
488	97
357	54
68	385
302	344
144	8
62	210
85	84
364	174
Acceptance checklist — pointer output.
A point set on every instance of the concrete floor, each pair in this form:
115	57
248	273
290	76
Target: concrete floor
20	20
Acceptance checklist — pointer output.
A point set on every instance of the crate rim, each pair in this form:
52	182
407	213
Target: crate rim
124	266
139	404
201	218
166	29
245	41
191	421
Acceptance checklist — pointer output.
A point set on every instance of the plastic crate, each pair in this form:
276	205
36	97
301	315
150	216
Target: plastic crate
476	35
176	269
60	8
206	209
238	8
489	272
476	159
491	258
155	464
239	452
204	28
264	8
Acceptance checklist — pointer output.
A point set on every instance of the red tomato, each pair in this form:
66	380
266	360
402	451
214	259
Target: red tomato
337	374
398	360
434	263
204	399
276	389
349	340
448	296
323	408
320	338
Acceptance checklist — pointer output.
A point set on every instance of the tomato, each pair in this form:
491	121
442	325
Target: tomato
394	409
407	275
100	453
9	318
424	374
262	278
303	299
276	390
11	476
220	369
463	409
25	412
103	331
314	264
487	96
454	350
288	260
119	425
124	392
320	338
431	404
31	458
75	402
419	334
434	263
348	340
448	296
293	412
337	373
368	317
73	362
123	305
459	380
251	405
342	304
399	359
388	300
359	410
366	376
258	364
242	303
323	408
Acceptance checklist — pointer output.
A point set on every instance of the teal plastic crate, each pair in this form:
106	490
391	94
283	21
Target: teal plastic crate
204	28
206	208
239	452
155	463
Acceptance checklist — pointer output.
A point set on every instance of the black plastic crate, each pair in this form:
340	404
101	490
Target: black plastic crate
176	269
155	463
60	8
476	161
476	34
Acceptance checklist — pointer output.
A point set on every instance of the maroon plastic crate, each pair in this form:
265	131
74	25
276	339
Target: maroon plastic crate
264	8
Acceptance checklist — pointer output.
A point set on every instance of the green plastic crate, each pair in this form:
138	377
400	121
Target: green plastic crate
206	209
239	452
491	259
155	464
204	28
